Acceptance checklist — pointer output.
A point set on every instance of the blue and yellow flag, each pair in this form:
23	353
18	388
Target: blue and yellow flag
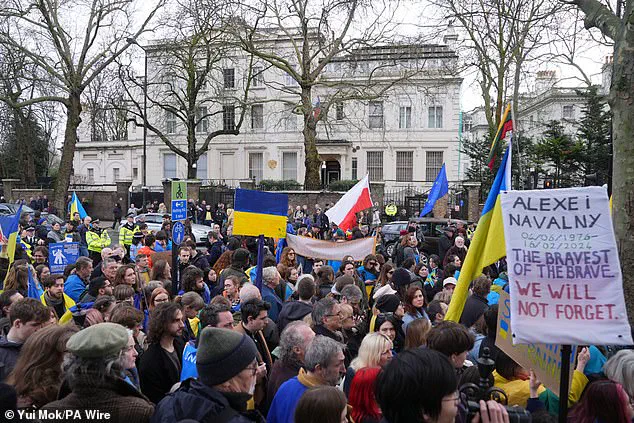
487	245
9	234
34	289
76	207
260	213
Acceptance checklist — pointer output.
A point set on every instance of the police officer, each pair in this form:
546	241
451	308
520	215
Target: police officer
126	232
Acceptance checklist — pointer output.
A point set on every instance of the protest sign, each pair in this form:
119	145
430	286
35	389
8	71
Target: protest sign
544	359
565	277
61	254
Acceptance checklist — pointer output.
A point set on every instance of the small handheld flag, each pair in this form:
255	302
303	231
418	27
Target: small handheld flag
34	290
76	207
438	190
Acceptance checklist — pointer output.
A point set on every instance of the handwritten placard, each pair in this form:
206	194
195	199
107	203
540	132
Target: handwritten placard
543	359
564	272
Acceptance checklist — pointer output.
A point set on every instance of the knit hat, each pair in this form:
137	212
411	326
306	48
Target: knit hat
222	354
401	277
97	341
388	303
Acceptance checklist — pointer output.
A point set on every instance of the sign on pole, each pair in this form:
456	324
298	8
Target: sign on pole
61	254
179	200
565	277
178	233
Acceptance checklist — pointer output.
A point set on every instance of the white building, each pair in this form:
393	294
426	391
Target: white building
401	138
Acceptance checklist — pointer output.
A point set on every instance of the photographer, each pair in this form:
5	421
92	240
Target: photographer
403	398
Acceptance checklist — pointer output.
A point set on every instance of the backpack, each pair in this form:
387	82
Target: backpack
398	257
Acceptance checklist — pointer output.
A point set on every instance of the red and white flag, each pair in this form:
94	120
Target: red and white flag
357	199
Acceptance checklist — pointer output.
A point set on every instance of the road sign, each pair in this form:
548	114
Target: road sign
178	233
179	200
61	254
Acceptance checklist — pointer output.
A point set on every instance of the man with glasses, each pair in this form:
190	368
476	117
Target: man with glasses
40	255
328	318
227	371
254	319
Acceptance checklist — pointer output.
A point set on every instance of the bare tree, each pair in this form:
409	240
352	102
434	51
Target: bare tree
107	122
187	87
618	25
70	43
315	34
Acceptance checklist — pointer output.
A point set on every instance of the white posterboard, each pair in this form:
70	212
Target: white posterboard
563	265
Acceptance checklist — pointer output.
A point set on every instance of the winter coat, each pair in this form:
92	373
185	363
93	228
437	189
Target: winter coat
474	307
276	303
9	353
114	396
282	371
157	372
196	401
292	311
214	252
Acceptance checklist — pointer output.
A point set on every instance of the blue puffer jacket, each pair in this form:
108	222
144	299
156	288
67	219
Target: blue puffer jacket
197	401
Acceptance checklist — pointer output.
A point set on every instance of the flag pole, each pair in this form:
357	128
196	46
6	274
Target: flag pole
258	272
515	137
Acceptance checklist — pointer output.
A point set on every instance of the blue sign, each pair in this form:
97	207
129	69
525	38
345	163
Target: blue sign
179	210
178	233
61	254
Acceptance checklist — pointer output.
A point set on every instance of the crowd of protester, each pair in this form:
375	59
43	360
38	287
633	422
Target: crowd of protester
359	340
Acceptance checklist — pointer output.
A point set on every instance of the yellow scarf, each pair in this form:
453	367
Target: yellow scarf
308	380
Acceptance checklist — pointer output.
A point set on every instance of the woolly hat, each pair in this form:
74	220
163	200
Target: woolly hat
222	354
385	289
401	277
97	341
388	303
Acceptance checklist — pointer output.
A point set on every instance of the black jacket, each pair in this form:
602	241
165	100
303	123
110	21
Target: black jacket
292	311
214	252
199	402
474	307
157	373
9	353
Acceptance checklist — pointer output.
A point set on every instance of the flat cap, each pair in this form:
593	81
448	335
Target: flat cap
100	340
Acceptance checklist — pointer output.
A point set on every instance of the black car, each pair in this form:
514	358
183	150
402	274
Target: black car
428	231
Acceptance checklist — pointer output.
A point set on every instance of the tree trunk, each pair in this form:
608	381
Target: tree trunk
312	162
73	110
622	106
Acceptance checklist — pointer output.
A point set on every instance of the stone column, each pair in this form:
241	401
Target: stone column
377	192
441	208
167	194
7	186
123	194
247	184
193	189
473	198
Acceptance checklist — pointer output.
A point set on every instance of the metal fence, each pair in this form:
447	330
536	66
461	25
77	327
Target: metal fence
411	199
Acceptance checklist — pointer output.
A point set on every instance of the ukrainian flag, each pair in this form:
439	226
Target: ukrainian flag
76	207
487	245
9	235
260	213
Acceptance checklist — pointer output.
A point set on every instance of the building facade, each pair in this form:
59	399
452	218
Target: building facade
401	137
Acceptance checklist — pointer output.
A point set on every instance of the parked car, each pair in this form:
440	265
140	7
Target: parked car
155	222
10	209
428	231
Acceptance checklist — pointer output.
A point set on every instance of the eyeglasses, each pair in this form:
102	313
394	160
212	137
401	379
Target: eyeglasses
456	399
253	370
340	314
372	263
390	272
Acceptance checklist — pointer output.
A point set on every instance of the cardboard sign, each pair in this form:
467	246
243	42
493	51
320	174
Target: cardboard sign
563	265
61	254
544	359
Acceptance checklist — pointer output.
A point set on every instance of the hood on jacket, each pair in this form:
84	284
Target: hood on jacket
296	310
5	343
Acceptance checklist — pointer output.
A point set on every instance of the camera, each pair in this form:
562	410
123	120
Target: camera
516	414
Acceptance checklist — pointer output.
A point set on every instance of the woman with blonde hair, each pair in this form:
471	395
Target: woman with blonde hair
38	374
375	351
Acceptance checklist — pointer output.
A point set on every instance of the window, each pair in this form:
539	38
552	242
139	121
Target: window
290	121
257	116
256	166
404	166
203	124
229	77
169	165
339	114
201	167
170	122
258	77
289	80
289	166
355	168
228	118
116	173
376	115
91	174
200	75
375	165
405	117
435	117
135	172
569	112
433	164
467	124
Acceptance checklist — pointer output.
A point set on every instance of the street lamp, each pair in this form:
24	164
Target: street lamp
144	187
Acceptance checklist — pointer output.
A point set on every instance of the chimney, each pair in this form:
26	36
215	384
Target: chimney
450	38
545	80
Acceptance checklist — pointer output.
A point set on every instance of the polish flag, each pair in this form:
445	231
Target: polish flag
357	199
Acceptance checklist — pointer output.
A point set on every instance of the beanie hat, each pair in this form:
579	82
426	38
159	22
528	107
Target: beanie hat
97	341
401	277
385	289
388	303
222	354
240	257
